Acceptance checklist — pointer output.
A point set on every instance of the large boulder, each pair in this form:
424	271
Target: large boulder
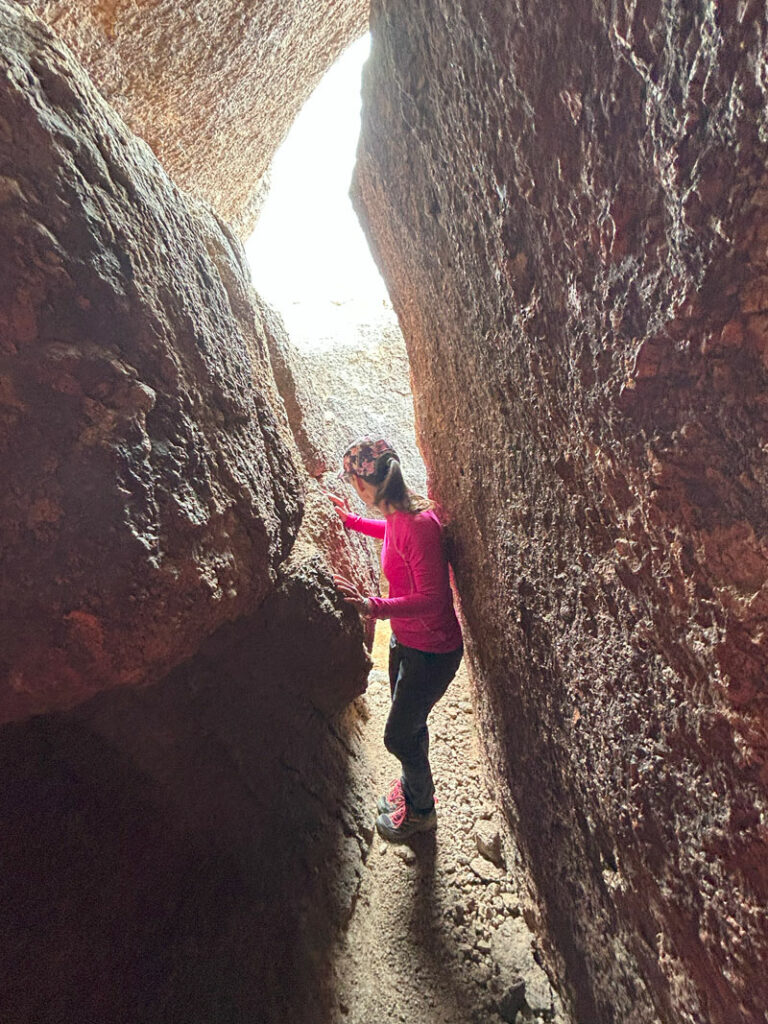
187	852
149	494
570	207
182	827
212	87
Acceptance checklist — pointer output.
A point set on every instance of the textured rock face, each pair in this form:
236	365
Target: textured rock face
150	494
570	209
186	852
162	845
213	88
337	391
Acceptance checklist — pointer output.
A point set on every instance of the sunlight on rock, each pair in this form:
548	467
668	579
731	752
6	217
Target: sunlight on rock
308	255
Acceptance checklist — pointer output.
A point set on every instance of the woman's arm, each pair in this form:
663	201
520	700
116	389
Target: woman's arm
422	550
370	527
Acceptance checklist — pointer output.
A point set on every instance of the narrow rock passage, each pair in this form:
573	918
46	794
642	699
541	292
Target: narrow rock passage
437	934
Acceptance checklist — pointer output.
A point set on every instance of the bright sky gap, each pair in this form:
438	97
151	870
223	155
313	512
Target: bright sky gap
308	254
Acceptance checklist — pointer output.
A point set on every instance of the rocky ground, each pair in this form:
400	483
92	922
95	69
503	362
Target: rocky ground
437	934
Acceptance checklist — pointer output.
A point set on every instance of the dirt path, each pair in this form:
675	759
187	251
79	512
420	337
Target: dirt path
437	936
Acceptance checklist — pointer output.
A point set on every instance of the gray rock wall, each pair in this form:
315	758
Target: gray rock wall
337	389
568	203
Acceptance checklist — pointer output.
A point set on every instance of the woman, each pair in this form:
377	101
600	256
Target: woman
426	645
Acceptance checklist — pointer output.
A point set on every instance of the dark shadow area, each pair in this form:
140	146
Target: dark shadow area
187	852
424	925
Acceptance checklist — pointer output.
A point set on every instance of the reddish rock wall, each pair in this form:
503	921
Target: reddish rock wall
569	204
150	492
187	852
184	851
212	87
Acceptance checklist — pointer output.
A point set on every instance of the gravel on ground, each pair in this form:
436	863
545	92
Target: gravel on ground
437	935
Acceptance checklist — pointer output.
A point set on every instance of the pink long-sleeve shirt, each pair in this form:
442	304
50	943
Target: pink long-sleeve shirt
420	602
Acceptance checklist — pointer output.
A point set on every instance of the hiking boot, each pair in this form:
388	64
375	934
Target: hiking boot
403	822
392	798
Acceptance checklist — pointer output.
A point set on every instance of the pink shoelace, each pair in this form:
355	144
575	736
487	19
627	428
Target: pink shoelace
397	816
395	794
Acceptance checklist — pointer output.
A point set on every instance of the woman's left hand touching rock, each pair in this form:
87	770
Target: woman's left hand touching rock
352	594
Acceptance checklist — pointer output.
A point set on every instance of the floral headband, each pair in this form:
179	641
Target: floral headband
361	457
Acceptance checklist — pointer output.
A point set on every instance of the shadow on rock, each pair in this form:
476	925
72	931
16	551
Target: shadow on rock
187	852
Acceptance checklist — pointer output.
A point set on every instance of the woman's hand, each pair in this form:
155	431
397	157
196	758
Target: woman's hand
341	506
352	595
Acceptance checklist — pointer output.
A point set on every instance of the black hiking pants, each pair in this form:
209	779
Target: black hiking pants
417	680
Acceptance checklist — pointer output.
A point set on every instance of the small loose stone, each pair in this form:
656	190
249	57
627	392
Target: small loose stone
484	870
405	853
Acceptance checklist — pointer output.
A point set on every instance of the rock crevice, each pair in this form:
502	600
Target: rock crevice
180	820
568	208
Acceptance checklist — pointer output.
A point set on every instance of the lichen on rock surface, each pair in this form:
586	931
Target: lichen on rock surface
568	205
212	87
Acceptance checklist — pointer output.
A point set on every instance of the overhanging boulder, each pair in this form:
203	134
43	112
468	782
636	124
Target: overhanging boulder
212	87
184	850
